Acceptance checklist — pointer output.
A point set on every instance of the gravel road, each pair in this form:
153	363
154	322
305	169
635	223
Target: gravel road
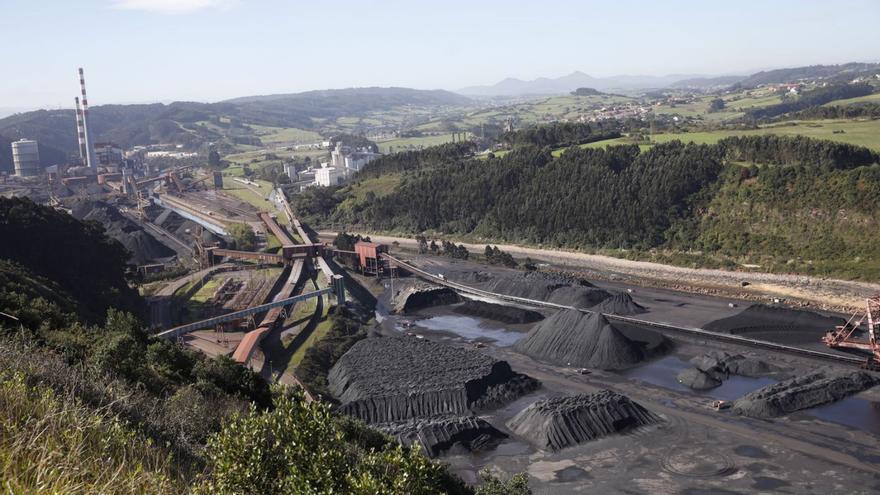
820	293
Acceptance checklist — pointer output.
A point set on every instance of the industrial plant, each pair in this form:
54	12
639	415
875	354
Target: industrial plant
658	284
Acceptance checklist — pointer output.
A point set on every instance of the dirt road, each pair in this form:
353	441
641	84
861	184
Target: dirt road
820	293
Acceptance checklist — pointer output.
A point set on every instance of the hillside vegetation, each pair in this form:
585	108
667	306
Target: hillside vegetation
786	203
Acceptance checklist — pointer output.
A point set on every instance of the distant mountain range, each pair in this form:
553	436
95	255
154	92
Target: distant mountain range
570	82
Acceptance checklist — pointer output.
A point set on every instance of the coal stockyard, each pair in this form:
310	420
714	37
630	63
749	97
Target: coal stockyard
595	385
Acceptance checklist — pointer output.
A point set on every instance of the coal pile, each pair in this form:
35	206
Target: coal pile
441	434
698	379
712	368
619	304
381	380
498	312
802	392
560	422
574	338
414	295
776	323
559	289
143	247
725	364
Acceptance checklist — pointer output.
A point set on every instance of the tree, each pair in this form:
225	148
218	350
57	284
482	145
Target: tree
214	159
716	105
243	236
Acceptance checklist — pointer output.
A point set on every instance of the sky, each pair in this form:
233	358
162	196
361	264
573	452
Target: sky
136	51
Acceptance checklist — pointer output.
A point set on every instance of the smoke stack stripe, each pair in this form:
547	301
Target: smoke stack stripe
90	152
80	133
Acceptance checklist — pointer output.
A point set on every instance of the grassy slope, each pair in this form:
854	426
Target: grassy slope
52	443
871	98
858	132
274	135
414	142
303	313
356	193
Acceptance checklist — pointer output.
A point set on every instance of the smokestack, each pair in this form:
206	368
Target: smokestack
80	132
90	151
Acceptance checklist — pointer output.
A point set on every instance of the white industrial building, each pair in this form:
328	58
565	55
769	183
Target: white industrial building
349	162
327	175
26	157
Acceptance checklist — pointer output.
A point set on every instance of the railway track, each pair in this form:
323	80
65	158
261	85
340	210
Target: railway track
663	327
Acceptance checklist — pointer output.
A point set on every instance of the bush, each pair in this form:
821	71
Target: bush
298	448
243	236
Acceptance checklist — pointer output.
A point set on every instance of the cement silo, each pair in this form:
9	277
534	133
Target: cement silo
26	157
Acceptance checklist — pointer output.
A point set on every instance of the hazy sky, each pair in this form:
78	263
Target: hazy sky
207	50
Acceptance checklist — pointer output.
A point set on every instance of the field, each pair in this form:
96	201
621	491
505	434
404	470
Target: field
402	144
857	132
287	135
871	98
249	194
380	186
736	105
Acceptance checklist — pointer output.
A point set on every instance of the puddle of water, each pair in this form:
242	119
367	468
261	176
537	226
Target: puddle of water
855	412
663	373
469	328
736	386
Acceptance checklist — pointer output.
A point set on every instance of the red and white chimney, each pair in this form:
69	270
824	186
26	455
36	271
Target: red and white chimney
80	132
91	162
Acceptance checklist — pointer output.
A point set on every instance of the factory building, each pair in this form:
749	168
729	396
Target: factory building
26	157
108	154
337	156
290	170
369	257
344	159
327	175
355	161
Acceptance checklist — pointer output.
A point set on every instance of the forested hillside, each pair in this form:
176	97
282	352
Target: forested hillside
787	203
842	72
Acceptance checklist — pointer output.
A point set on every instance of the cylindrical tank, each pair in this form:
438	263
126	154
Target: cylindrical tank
26	157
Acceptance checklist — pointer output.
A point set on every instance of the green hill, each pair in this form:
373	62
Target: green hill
228	122
786	203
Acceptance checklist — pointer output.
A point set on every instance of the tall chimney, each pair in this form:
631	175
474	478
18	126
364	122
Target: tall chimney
90	151
80	132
